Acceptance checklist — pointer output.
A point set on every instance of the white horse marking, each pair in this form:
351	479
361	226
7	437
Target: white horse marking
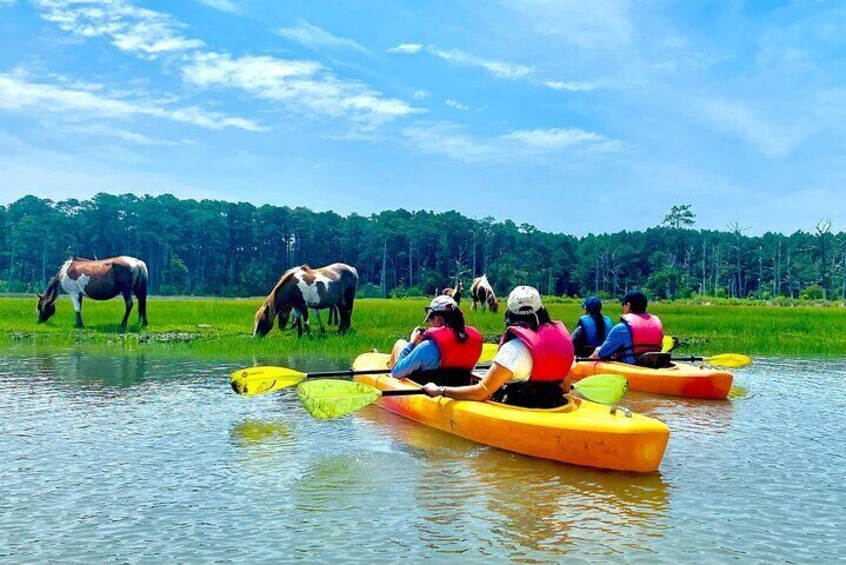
309	291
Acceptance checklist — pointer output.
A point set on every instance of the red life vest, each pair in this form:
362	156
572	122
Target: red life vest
456	354
647	332
551	349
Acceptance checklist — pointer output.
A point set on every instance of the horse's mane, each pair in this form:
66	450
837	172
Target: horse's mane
270	301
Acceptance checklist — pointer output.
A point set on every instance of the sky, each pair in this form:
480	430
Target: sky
574	116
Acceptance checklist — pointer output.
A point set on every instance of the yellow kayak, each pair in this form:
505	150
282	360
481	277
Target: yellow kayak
580	433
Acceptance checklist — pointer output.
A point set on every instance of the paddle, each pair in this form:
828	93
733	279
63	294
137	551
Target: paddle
328	398
726	360
264	379
669	344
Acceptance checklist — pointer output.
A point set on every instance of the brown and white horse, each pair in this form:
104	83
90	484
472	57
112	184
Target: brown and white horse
455	293
482	293
302	288
98	280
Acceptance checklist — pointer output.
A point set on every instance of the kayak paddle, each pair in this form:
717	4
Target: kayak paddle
725	360
263	379
329	398
669	344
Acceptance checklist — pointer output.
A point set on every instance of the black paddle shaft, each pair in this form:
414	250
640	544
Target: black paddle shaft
351	373
589	360
403	392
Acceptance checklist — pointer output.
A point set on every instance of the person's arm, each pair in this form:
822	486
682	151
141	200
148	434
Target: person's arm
578	337
496	376
615	341
424	357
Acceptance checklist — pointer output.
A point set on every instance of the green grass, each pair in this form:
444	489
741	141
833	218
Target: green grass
221	328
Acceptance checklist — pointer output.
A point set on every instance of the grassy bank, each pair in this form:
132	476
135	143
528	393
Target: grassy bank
222	327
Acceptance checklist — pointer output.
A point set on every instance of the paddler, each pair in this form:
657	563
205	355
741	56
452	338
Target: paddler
592	328
530	369
445	353
638	332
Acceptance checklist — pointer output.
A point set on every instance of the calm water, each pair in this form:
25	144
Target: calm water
139	459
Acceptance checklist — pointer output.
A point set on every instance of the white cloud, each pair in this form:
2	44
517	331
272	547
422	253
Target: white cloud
421	94
410	48
128	27
22	96
739	120
304	86
448	139
222	5
456	105
569	86
316	38
499	69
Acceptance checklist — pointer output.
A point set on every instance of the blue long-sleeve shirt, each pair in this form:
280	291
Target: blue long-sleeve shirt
619	340
424	357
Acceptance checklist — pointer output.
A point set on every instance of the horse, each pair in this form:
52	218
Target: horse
482	293
98	280
455	293
302	288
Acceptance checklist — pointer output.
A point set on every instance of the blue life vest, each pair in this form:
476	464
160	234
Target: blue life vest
591	334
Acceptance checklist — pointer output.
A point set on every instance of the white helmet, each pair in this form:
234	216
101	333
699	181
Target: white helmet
441	303
524	300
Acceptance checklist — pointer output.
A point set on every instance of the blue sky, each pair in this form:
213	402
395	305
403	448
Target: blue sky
574	116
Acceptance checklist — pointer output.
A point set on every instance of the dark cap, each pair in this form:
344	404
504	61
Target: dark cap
592	304
637	300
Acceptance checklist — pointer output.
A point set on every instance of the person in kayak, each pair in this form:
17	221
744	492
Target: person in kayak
530	369
592	328
446	353
636	334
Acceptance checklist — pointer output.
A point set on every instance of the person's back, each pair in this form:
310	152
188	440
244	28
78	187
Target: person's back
592	328
637	332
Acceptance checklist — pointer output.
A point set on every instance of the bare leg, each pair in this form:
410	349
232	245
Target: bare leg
398	347
76	298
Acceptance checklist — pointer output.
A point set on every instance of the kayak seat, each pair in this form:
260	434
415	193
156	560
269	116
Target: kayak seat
655	360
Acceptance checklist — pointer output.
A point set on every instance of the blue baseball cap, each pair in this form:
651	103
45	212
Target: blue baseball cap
592	304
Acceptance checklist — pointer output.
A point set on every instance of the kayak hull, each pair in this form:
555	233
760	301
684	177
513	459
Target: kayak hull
681	379
580	433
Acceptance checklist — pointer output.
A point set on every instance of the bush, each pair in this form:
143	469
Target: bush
813	292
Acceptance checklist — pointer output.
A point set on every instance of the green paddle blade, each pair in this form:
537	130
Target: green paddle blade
605	389
259	380
729	360
328	398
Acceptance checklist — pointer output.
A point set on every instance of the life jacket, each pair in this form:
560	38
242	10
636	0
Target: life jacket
647	333
455	354
591	331
551	349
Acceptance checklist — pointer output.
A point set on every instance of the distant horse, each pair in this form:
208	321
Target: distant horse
98	280
455	293
482	293
302	288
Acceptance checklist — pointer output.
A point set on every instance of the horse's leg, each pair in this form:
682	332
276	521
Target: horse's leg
345	310
305	321
319	320
142	308
127	299
76	298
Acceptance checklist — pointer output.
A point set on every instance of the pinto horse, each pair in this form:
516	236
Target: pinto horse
98	280
482	293
302	288
455	293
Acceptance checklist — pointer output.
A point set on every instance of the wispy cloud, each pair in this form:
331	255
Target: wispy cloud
570	86
421	94
410	48
314	37
450	140
740	120
128	27
456	104
19	95
304	86
222	5
599	24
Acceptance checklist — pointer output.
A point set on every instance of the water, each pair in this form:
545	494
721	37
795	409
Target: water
144	459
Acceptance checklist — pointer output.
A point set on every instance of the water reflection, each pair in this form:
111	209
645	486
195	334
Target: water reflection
252	432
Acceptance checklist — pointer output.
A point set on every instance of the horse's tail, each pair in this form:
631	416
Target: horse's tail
142	277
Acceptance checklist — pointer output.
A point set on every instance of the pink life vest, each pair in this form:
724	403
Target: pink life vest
456	354
647	332
551	349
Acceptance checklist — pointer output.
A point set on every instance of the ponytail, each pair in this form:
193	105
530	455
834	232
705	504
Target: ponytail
454	319
599	322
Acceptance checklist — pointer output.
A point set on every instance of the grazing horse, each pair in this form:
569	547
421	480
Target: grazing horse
302	288
98	280
482	293
455	293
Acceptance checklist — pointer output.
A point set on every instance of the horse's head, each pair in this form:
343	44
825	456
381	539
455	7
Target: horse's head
493	303
46	306
264	320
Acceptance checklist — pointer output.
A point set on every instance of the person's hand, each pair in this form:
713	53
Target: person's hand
416	335
432	390
595	354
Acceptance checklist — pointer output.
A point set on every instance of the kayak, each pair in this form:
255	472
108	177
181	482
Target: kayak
579	433
678	380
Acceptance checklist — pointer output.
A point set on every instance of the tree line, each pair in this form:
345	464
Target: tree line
213	247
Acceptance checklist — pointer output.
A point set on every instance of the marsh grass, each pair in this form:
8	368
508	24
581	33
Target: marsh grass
222	328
